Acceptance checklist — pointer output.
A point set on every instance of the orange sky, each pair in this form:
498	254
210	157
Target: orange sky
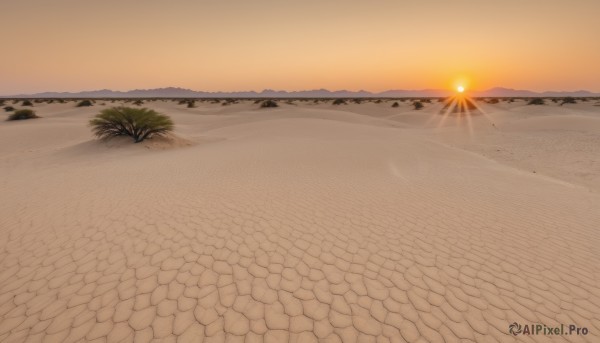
73	45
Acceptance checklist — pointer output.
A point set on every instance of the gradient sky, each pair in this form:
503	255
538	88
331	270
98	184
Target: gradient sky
74	45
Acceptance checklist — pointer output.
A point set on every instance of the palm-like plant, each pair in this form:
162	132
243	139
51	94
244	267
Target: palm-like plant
138	123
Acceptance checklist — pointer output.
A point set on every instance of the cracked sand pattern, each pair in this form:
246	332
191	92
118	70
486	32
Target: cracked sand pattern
294	229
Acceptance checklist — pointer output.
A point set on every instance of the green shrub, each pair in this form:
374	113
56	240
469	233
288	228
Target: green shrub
268	103
395	104
22	115
9	108
568	100
418	105
536	101
85	103
339	102
138	102
26	103
138	123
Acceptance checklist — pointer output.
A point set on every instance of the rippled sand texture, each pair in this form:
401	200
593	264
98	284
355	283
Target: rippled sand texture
304	223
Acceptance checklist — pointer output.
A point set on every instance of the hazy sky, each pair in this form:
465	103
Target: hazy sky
72	45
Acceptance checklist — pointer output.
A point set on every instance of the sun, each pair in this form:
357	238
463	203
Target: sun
460	89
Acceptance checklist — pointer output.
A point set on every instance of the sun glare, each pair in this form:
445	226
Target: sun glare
460	89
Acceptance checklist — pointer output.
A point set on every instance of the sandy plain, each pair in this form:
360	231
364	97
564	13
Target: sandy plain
304	223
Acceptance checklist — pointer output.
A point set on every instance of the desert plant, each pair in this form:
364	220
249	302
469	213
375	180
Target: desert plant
22	115
493	101
191	104
418	105
339	102
568	100
268	103
536	101
395	104
138	102
138	123
26	103
9	108
85	103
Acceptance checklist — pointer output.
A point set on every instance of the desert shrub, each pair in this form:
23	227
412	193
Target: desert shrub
9	108
191	104
138	123
568	100
357	101
493	101
85	103
395	104
426	100
339	102
536	101
268	103
26	103
1	102
418	105
138	102
183	102
22	115
378	101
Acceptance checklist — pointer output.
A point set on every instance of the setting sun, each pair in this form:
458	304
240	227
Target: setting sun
460	89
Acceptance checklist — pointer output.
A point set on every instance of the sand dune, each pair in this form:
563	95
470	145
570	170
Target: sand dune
305	223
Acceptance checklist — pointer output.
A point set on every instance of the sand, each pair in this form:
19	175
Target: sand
304	223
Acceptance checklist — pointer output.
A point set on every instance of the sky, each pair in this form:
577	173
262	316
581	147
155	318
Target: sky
235	45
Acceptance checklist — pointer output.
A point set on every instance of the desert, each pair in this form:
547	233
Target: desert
365	221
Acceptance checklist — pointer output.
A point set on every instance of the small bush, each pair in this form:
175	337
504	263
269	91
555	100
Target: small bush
138	102
26	103
395	104
191	104
568	100
536	101
85	103
138	123
339	102
418	105
22	115
268	103
9	108
493	101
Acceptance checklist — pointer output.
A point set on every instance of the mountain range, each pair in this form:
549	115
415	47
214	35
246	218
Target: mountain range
174	92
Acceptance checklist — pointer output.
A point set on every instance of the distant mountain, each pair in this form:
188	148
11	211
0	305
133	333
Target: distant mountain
173	92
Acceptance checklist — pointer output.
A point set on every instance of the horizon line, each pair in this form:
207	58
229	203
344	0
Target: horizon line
266	90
